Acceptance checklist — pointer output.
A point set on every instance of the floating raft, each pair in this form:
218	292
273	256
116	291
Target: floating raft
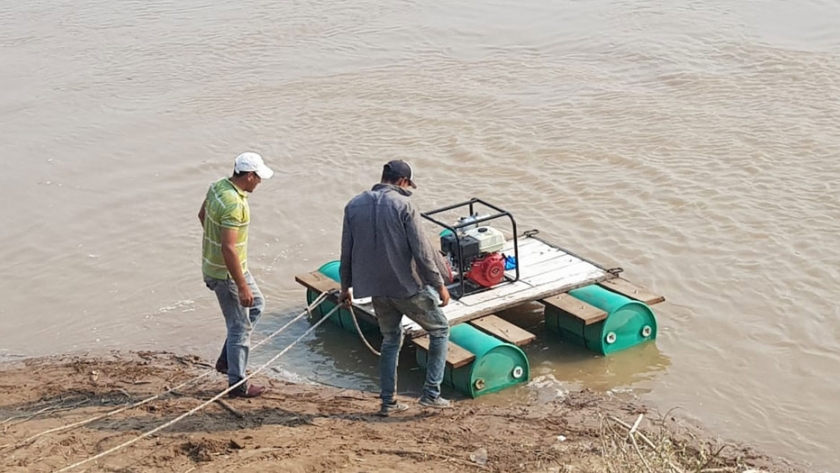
585	304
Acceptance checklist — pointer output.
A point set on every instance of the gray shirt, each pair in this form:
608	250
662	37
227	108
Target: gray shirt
383	250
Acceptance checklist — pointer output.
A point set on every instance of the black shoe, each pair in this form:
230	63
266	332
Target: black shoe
247	391
438	402
391	408
221	366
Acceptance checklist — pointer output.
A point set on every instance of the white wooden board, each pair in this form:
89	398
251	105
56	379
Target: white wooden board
544	271
530	251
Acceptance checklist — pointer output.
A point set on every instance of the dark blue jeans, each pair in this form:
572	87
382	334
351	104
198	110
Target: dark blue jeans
423	309
240	322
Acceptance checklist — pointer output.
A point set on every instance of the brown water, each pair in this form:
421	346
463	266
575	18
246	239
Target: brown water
696	144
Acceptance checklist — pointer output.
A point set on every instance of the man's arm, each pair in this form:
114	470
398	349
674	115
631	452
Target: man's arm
424	257
346	269
234	266
201	212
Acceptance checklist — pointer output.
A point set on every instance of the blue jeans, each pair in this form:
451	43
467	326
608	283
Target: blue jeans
240	322
423	309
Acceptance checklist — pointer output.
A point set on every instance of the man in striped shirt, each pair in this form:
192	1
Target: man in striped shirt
225	217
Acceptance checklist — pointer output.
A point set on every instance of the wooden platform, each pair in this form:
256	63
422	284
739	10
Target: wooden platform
545	271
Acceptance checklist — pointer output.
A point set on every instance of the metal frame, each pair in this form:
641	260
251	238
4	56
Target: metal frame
454	229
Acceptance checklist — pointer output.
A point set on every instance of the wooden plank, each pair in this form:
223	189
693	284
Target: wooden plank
317	282
523	243
530	247
567	303
576	267
320	283
500	328
536	241
456	356
552	262
533	254
626	288
498	291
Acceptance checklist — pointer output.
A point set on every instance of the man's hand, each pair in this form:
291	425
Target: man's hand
345	298
201	212
246	298
444	295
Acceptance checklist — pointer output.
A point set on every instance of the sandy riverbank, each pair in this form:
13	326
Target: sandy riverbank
303	428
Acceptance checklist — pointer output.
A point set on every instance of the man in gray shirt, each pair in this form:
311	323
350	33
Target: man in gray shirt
385	256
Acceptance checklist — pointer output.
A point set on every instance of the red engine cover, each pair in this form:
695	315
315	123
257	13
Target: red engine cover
488	271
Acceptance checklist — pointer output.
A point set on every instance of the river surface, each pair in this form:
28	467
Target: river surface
695	144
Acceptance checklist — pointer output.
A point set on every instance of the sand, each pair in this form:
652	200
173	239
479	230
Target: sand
306	428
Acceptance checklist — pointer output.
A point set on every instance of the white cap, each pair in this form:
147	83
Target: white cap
252	162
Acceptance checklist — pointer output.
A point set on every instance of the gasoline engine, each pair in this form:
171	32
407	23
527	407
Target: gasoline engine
476	254
473	249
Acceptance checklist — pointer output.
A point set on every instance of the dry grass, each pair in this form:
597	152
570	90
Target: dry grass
626	449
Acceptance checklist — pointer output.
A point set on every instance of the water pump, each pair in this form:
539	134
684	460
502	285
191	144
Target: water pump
474	251
476	254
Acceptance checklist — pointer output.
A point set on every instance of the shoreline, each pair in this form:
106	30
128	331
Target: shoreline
313	428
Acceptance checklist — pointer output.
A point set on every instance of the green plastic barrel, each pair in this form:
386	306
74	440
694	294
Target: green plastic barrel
497	365
628	322
343	318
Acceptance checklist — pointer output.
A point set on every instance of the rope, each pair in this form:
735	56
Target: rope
203	405
359	331
190	382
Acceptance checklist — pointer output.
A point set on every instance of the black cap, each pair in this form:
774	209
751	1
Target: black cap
400	168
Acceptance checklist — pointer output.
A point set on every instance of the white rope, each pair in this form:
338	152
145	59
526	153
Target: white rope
359	331
203	405
190	382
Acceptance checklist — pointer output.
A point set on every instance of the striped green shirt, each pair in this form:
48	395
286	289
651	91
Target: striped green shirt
226	207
